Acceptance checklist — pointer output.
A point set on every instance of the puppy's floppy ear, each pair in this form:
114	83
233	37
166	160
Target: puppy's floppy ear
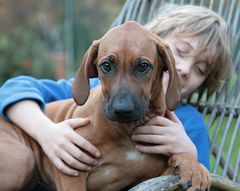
80	88
173	94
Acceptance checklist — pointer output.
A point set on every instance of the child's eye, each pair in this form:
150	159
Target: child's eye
201	69
179	51
201	72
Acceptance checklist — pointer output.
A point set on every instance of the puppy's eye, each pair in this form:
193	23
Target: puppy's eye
106	66
143	66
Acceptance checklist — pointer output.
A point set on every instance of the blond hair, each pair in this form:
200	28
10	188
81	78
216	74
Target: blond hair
208	26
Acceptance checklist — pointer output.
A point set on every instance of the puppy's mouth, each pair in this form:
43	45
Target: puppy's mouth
125	109
122	118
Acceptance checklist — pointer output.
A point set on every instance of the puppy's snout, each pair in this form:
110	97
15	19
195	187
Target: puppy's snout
123	105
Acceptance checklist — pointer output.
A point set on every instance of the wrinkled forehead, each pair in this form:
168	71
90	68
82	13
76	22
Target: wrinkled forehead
129	39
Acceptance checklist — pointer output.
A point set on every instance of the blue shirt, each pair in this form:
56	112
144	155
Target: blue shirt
44	91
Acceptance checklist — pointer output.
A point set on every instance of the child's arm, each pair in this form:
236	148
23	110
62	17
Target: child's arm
58	141
20	100
42	91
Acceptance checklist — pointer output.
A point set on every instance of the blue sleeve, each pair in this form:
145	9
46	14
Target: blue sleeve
196	129
41	90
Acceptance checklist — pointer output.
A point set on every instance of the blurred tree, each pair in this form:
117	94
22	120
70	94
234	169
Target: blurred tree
23	48
22	53
90	20
33	37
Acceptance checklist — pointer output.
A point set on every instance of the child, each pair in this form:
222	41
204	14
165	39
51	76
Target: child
200	44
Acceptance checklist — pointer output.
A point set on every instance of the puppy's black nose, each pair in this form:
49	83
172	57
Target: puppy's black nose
123	105
124	108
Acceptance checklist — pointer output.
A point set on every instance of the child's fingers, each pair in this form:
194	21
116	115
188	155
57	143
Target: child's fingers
72	163
60	165
77	122
153	139
159	121
155	149
172	116
80	155
85	145
149	129
78	139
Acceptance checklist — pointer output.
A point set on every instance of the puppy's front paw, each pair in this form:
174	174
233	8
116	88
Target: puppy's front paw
193	175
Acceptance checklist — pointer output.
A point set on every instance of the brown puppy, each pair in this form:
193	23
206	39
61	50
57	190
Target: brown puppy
130	61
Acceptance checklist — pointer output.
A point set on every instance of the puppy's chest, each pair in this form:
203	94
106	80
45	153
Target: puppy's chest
122	167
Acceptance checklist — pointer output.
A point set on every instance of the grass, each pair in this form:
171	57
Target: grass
225	135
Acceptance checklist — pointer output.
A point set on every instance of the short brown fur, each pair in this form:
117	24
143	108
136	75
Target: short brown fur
120	165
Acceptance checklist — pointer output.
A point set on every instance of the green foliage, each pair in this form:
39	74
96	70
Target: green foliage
31	33
90	21
23	53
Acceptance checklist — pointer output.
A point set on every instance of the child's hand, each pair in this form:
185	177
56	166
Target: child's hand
64	147
166	136
67	149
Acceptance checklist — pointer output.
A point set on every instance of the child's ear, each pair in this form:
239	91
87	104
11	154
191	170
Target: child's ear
80	88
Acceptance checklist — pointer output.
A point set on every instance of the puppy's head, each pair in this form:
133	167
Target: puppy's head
130	61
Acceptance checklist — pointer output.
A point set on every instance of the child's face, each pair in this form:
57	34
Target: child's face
191	68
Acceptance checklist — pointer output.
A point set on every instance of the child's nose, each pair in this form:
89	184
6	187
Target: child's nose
183	69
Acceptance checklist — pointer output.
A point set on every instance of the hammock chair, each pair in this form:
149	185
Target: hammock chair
221	110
